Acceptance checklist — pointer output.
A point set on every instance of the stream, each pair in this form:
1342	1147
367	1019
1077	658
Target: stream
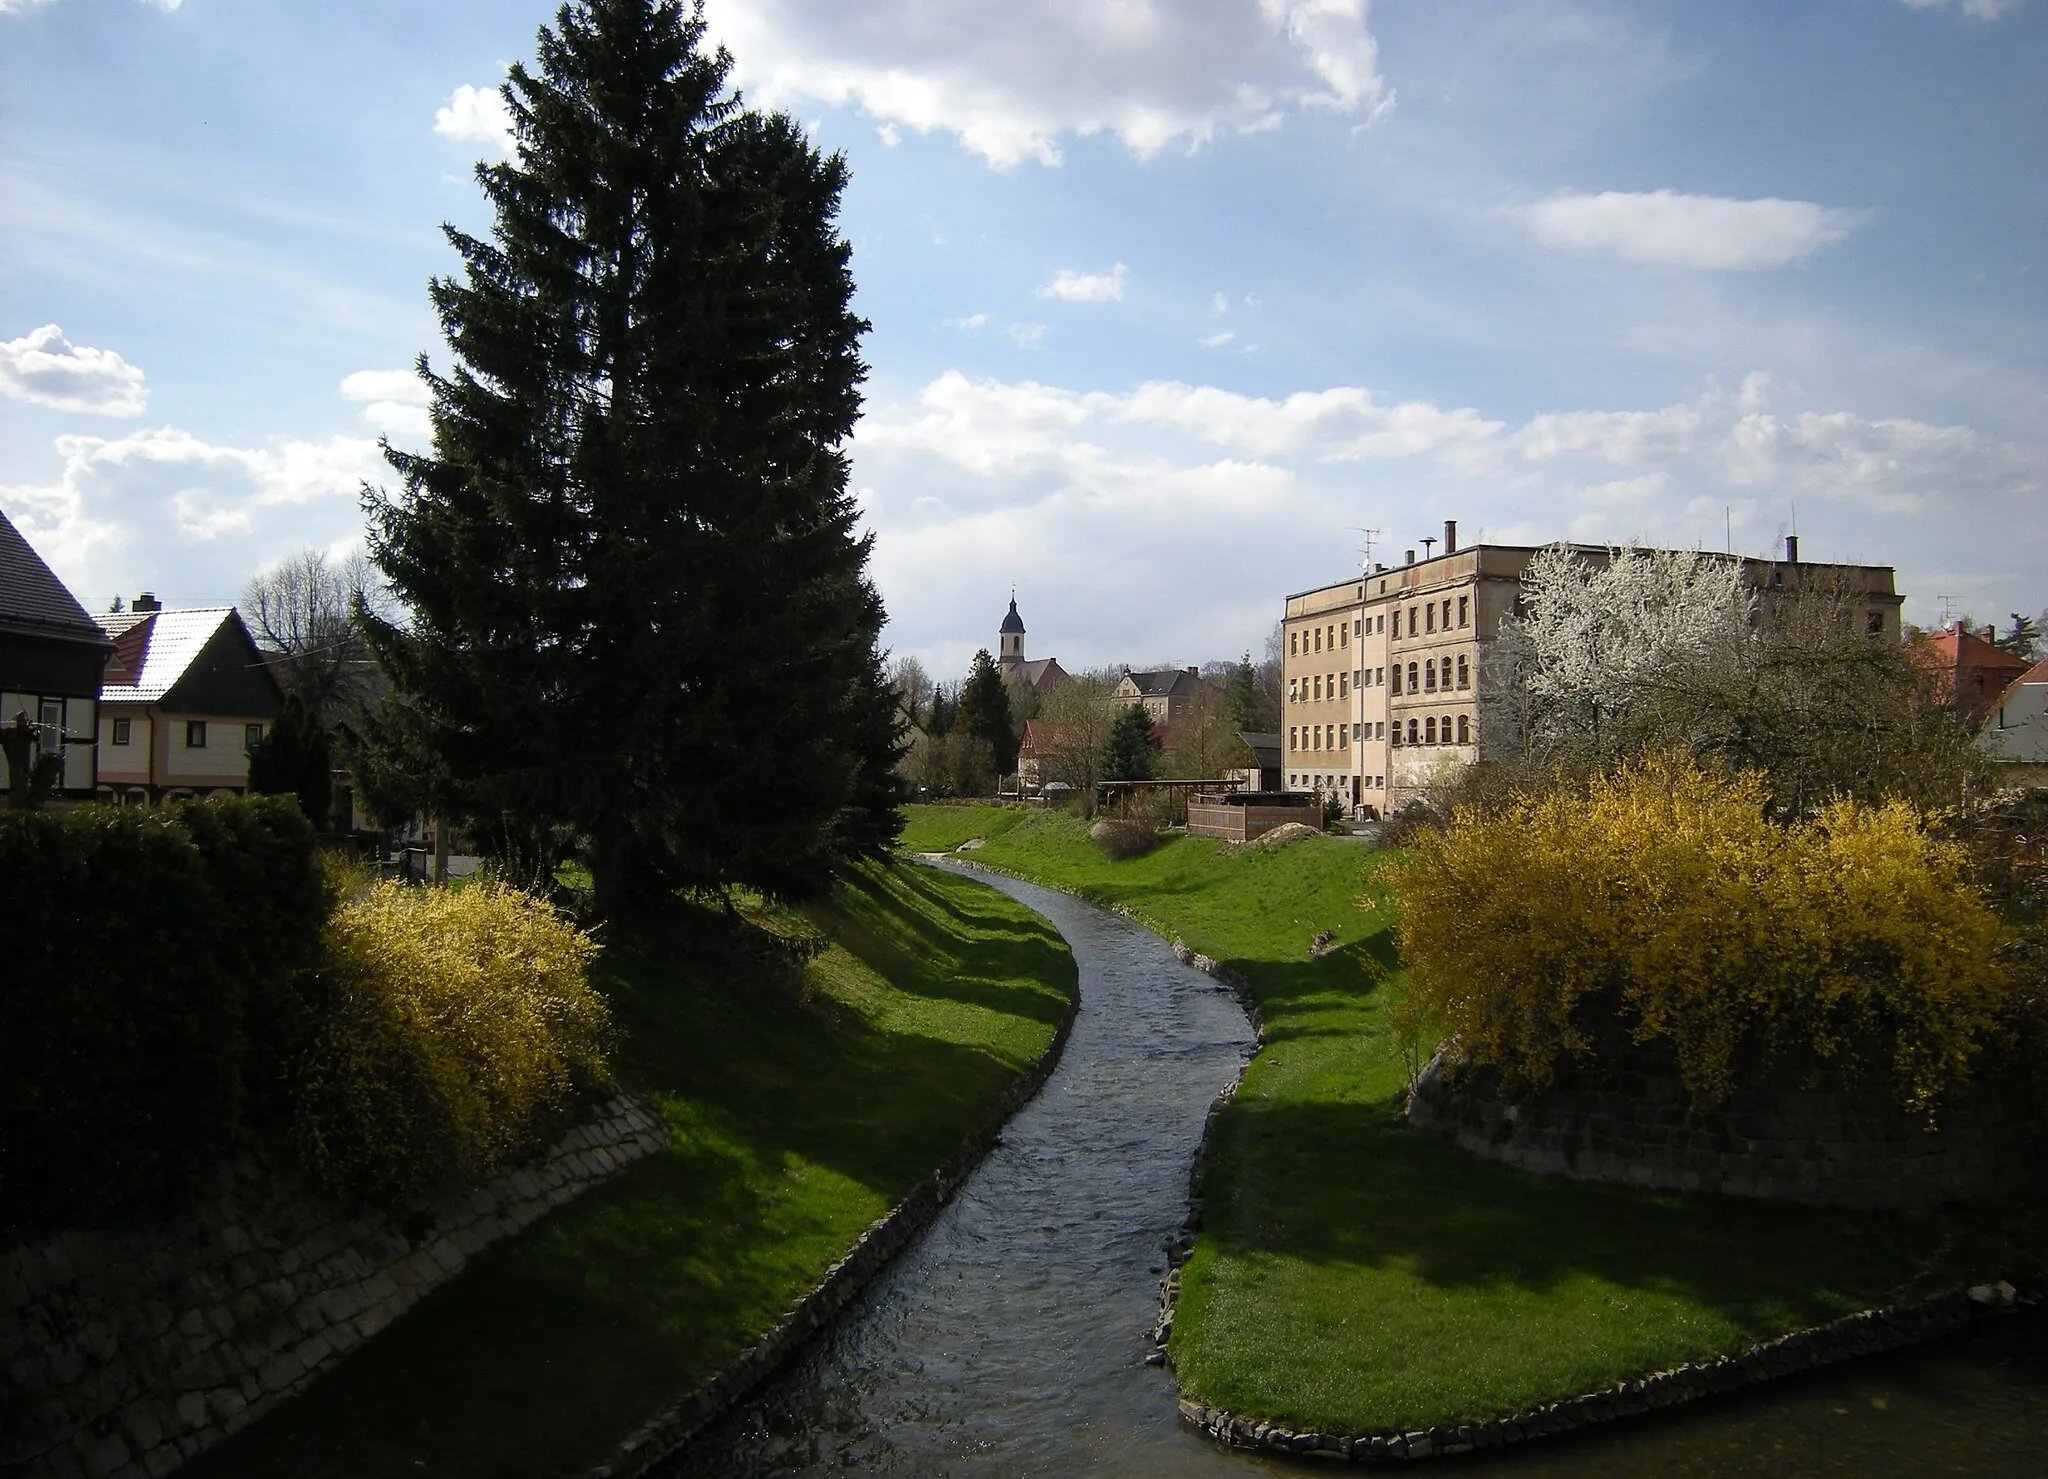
1010	1339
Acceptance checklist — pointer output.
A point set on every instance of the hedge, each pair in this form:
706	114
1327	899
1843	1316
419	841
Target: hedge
155	994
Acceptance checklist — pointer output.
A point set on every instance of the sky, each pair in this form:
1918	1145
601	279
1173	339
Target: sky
1177	307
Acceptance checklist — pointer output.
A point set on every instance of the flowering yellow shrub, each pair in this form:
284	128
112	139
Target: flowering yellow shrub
457	1020
1663	900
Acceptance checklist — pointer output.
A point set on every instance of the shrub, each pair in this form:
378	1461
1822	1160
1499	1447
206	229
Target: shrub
155	995
1663	900
1119	838
458	1022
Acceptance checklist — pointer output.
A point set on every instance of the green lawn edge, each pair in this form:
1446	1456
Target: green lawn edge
797	1117
1353	1275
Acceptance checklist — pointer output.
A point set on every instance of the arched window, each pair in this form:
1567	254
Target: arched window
1464	729
1464	672
1429	675
1413	729
1411	679
1429	730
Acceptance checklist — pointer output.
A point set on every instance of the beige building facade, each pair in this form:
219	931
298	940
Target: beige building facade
186	694
1382	671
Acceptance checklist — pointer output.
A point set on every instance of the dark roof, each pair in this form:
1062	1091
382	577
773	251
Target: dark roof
1013	622
1265	747
34	600
1166	683
1040	673
201	660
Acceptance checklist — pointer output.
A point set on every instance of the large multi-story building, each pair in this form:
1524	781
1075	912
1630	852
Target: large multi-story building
1382	670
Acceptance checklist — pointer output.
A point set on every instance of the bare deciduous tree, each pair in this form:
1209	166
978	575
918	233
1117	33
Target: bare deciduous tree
304	610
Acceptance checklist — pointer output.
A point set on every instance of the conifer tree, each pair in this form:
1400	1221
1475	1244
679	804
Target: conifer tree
639	613
985	712
1131	747
292	759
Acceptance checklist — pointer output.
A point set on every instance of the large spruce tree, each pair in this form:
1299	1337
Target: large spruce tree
985	712
639	611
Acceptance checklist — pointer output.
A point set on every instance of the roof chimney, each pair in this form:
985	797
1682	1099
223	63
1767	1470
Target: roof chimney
1450	536
1408	557
1989	634
147	601
1194	672
1791	549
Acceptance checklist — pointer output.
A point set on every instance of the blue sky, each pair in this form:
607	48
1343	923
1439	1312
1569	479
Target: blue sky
1169	300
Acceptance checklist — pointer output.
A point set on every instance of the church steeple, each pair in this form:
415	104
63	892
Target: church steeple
1012	636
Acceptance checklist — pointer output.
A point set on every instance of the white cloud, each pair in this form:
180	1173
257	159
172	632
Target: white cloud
1080	287
1217	341
1700	231
1976	10
1027	336
394	402
1220	304
476	115
1012	81
971	324
46	369
16	7
982	482
160	508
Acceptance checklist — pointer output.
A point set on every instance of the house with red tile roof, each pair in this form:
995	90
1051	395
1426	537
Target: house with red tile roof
2015	732
1968	665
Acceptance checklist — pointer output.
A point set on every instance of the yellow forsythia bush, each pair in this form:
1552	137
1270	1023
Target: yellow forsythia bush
1662	899
456	1021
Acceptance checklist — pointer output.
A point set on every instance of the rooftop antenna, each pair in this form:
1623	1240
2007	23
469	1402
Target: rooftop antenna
1428	545
1728	527
1366	558
1945	612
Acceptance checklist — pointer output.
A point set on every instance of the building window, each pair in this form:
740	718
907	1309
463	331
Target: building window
1397	733
1464	672
1429	617
1380	730
1290	644
1429	730
1464	729
1412	619
1414	729
1293	684
1412	688
1343	736
1357	627
1464	619
1292	732
195	734
1397	678
1874	625
1356	728
1429	675
1344	632
1319	639
1447	613
1383	615
252	736
121	731
1380	675
1343	685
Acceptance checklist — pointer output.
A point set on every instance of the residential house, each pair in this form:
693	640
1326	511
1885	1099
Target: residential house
2015	733
1165	694
1382	670
51	658
186	694
1970	666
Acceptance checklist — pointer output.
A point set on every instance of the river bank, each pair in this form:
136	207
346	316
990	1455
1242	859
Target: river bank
1353	1276
807	1090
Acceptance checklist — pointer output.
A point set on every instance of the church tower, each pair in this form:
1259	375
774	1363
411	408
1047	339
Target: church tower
1012	632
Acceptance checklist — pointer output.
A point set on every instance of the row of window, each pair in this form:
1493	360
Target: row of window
1426	731
1335	782
1423	618
1331	635
195	733
1434	673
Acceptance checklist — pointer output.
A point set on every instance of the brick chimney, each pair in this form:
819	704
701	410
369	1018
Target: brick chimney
1450	536
1791	549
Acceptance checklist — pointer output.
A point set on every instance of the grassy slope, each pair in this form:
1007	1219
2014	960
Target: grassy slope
1354	1275
794	1124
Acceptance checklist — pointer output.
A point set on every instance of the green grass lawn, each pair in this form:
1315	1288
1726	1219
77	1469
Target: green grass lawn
799	1112
1355	1275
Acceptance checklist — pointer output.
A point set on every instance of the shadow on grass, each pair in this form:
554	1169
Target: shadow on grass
1350	1183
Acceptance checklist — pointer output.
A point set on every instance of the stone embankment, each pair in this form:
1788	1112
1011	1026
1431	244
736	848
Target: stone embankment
125	1352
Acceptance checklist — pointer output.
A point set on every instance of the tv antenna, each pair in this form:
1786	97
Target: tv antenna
1365	559
1947	614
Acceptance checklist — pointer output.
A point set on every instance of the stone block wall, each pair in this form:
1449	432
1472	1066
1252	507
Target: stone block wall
124	1352
1828	1142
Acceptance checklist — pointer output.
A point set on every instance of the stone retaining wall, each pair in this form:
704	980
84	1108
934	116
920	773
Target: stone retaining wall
125	1352
1830	1142
887	1236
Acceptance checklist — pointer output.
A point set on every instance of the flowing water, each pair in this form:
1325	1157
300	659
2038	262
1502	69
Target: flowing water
1010	1339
